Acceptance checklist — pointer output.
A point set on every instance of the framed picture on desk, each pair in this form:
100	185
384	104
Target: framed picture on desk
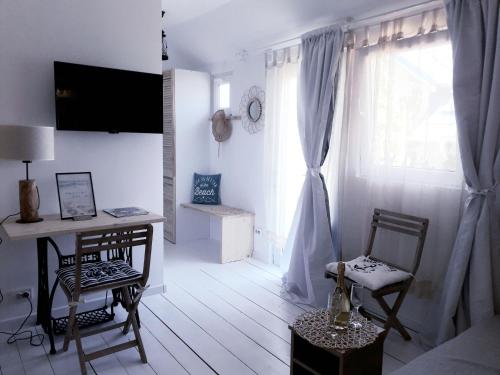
76	195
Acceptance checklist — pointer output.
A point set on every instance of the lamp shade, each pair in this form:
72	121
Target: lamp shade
26	143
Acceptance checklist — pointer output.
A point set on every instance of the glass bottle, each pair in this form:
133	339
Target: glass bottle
341	298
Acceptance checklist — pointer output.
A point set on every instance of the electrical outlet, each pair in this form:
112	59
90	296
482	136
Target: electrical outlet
258	231
20	293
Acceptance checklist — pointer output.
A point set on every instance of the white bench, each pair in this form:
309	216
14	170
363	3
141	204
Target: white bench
236	229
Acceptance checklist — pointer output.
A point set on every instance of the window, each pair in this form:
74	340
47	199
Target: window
399	151
402	97
222	93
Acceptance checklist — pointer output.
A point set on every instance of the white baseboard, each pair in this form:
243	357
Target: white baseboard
155	289
261	255
89	304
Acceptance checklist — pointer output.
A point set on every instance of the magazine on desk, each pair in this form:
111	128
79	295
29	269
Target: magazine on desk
126	211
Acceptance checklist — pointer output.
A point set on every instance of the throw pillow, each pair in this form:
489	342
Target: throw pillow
206	188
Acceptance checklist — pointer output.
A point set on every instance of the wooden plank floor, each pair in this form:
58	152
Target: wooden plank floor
213	319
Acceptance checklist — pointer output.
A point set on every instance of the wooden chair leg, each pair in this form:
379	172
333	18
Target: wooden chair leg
126	328
79	349
69	327
392	320
128	322
132	307
72	331
135	301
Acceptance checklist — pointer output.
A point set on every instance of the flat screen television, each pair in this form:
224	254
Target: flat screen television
90	98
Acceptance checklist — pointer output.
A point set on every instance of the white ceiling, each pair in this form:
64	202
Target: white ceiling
179	11
204	32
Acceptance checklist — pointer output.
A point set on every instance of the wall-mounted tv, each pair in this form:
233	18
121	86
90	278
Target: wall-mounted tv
90	98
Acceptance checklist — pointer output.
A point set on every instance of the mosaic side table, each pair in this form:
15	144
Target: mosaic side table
308	356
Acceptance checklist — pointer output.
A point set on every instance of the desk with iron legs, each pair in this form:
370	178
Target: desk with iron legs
53	226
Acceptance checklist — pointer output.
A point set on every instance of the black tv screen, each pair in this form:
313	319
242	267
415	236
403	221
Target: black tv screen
91	98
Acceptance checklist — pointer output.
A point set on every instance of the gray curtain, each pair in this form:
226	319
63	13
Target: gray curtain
309	244
470	290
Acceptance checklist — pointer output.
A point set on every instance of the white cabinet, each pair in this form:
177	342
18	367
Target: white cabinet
233	229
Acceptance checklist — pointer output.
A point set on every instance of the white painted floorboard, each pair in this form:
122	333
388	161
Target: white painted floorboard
213	353
34	359
255	356
213	319
187	359
240	302
10	359
259	334
64	362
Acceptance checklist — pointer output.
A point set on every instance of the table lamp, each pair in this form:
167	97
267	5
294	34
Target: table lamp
27	143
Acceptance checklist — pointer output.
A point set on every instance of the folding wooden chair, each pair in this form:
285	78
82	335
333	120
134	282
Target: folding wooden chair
406	224
89	277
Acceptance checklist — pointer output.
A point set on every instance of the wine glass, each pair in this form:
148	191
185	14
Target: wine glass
357	302
334	310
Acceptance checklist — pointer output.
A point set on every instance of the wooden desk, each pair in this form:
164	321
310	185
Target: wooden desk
237	226
54	226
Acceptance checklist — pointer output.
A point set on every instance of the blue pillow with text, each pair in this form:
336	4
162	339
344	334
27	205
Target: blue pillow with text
206	188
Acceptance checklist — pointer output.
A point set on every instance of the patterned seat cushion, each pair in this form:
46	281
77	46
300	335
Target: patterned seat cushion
98	274
370	273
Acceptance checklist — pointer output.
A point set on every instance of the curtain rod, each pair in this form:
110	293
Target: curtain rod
350	23
416	8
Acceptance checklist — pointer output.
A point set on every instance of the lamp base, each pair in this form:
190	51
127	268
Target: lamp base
29	201
21	221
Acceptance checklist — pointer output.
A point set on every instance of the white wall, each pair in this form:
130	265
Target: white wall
192	111
241	156
126	168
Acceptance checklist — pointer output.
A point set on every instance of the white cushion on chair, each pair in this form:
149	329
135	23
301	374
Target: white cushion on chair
370	273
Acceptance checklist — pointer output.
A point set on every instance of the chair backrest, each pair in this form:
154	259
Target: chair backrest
397	222
114	241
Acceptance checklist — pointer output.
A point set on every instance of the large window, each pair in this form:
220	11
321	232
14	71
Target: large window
399	151
402	100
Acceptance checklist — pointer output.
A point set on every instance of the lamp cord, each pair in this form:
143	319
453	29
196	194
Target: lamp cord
5	219
18	333
38	194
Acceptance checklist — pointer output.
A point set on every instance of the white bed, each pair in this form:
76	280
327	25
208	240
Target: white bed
474	352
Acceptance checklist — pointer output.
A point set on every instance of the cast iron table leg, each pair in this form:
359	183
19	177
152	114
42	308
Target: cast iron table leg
43	283
43	316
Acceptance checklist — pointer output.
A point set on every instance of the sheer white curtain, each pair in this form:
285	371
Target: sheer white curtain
401	153
284	164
